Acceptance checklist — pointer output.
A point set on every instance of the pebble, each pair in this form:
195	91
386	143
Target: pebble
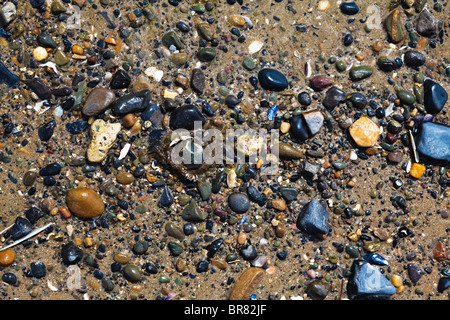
186	117
320	82
426	24
198	80
40	53
313	219
131	103
20	228
435	96
50	170
192	213
166	199
394	25
120	80
125	178
103	136
414	272
7	257
85	202
359	73
299	129
272	80
367	282
349	8
318	289
413	58
333	97
246	283
434	141
132	273
71	254
239	202
364	132
289	152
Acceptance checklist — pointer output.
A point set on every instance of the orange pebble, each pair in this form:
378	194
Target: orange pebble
111	40
64	212
7	257
77	49
417	170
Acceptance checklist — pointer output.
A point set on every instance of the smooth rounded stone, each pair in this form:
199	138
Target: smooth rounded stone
239	202
367	282
206	54
413	58
414	272
46	40
248	252
273	80
183	27
359	73
249	279
349	8
299	129
34	214
394	126
174	230
61	59
9	278
426	24
206	31
124	178
29	178
289	193
313	219
46	131
248	63
435	96
204	189
333	97
348	39
357	100
7	77
406	97
192	213
140	247
170	38
320	82
443	284
175	248
37	3
198	80
85	202
131	103
39	88
71	254
38	269
108	284
57	7
434	141
153	114
385	64
62	92
256	196
132	273
288	151
395	157
394	26
184	117
179	59
304	98
103	136
120	80
20	228
364	132
50	170
76	127
166	199
318	289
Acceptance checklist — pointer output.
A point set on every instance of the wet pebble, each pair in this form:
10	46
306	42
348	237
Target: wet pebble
239	202
313	219
271	79
71	254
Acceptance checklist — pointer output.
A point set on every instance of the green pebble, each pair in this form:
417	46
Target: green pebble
140	247
206	54
360	72
248	63
352	251
341	65
171	38
174	248
132	273
406	97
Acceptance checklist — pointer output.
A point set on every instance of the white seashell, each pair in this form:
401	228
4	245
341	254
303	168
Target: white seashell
323	5
255	46
231	179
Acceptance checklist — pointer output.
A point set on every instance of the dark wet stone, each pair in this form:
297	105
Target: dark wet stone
304	98
213	247
166	199
71	254
299	129
140	247
34	214
39	88
50	170
202	266
318	289
132	273
185	117
38	269
9	278
256	196
153	114
289	193
198	80
413	58
443	284
204	189
435	96
131	103
183	27
7	77
77	126
320	82
273	80
175	248
97	101
357	100
349	8
62	92
239	202
37	3
313	219
360	72
348	39
231	101
206	54
171	38
120	80
20	228
434	141
248	252
386	64
367	282
192	213
426	24
333	97
414	272
46	40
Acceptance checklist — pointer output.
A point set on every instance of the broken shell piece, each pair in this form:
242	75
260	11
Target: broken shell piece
323	5
249	144
255	46
103	136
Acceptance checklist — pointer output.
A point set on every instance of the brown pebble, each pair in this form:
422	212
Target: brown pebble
377	46
440	252
219	263
125	178
246	283
280	230
121	258
128	120
180	265
279	205
85	202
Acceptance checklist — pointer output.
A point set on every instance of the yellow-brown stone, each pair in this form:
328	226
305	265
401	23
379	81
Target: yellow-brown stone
364	132
85	202
246	283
